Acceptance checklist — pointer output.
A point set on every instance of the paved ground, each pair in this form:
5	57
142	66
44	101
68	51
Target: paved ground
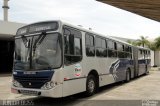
143	88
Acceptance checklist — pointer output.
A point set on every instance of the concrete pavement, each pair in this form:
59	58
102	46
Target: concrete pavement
142	88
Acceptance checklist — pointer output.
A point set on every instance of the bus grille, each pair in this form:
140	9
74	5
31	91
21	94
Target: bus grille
32	82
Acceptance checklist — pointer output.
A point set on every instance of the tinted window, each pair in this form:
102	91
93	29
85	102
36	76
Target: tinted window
110	44
149	52
115	46
101	50
90	50
123	47
77	42
127	48
91	41
98	42
88	40
72	45
119	47
103	43
140	51
112	53
130	49
112	47
121	54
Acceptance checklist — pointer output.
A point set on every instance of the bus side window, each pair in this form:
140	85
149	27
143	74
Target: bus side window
101	47
77	46
149	52
111	49
120	50
115	49
104	48
66	41
98	47
72	46
90	49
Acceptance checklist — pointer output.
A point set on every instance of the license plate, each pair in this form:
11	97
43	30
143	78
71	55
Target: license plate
29	72
29	92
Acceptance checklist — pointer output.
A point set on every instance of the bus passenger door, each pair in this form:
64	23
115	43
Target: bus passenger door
74	80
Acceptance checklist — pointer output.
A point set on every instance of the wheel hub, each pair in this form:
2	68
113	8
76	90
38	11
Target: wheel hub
91	85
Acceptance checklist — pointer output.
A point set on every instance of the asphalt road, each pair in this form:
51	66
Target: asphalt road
139	91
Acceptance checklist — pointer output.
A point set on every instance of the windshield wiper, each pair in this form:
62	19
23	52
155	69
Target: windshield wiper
26	42
39	40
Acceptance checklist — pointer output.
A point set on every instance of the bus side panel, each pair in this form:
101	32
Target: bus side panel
106	79
135	61
148	61
142	67
132	68
102	66
74	86
141	63
74	81
148	65
99	64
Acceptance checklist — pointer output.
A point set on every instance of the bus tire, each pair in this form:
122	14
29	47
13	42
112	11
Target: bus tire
91	85
128	77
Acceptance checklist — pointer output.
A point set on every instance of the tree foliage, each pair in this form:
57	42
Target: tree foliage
143	41
157	43
152	46
132	42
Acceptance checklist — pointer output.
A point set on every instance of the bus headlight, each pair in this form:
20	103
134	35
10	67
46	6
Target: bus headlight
16	84
48	85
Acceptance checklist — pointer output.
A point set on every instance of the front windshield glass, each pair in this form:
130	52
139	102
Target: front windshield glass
38	52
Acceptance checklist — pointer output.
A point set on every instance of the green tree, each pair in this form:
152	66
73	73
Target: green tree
153	47
142	41
157	43
132	42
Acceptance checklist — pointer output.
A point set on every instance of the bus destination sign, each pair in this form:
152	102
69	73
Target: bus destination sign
38	27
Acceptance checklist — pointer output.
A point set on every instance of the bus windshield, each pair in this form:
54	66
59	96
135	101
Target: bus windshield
38	52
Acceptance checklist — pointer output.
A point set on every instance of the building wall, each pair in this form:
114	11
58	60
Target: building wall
8	29
152	58
7	33
157	58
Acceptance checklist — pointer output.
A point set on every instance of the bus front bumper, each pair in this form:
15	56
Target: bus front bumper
55	92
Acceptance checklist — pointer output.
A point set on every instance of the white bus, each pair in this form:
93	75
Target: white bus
56	59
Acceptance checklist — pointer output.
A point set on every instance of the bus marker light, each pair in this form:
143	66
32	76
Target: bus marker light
14	90
65	79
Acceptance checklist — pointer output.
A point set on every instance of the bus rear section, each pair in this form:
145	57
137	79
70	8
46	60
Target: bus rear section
142	61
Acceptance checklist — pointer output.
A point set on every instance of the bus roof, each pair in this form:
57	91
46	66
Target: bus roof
109	37
92	32
87	30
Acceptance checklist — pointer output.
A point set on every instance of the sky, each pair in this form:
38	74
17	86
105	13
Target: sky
102	18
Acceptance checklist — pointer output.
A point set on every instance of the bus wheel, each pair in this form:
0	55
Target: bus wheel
128	78
90	85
